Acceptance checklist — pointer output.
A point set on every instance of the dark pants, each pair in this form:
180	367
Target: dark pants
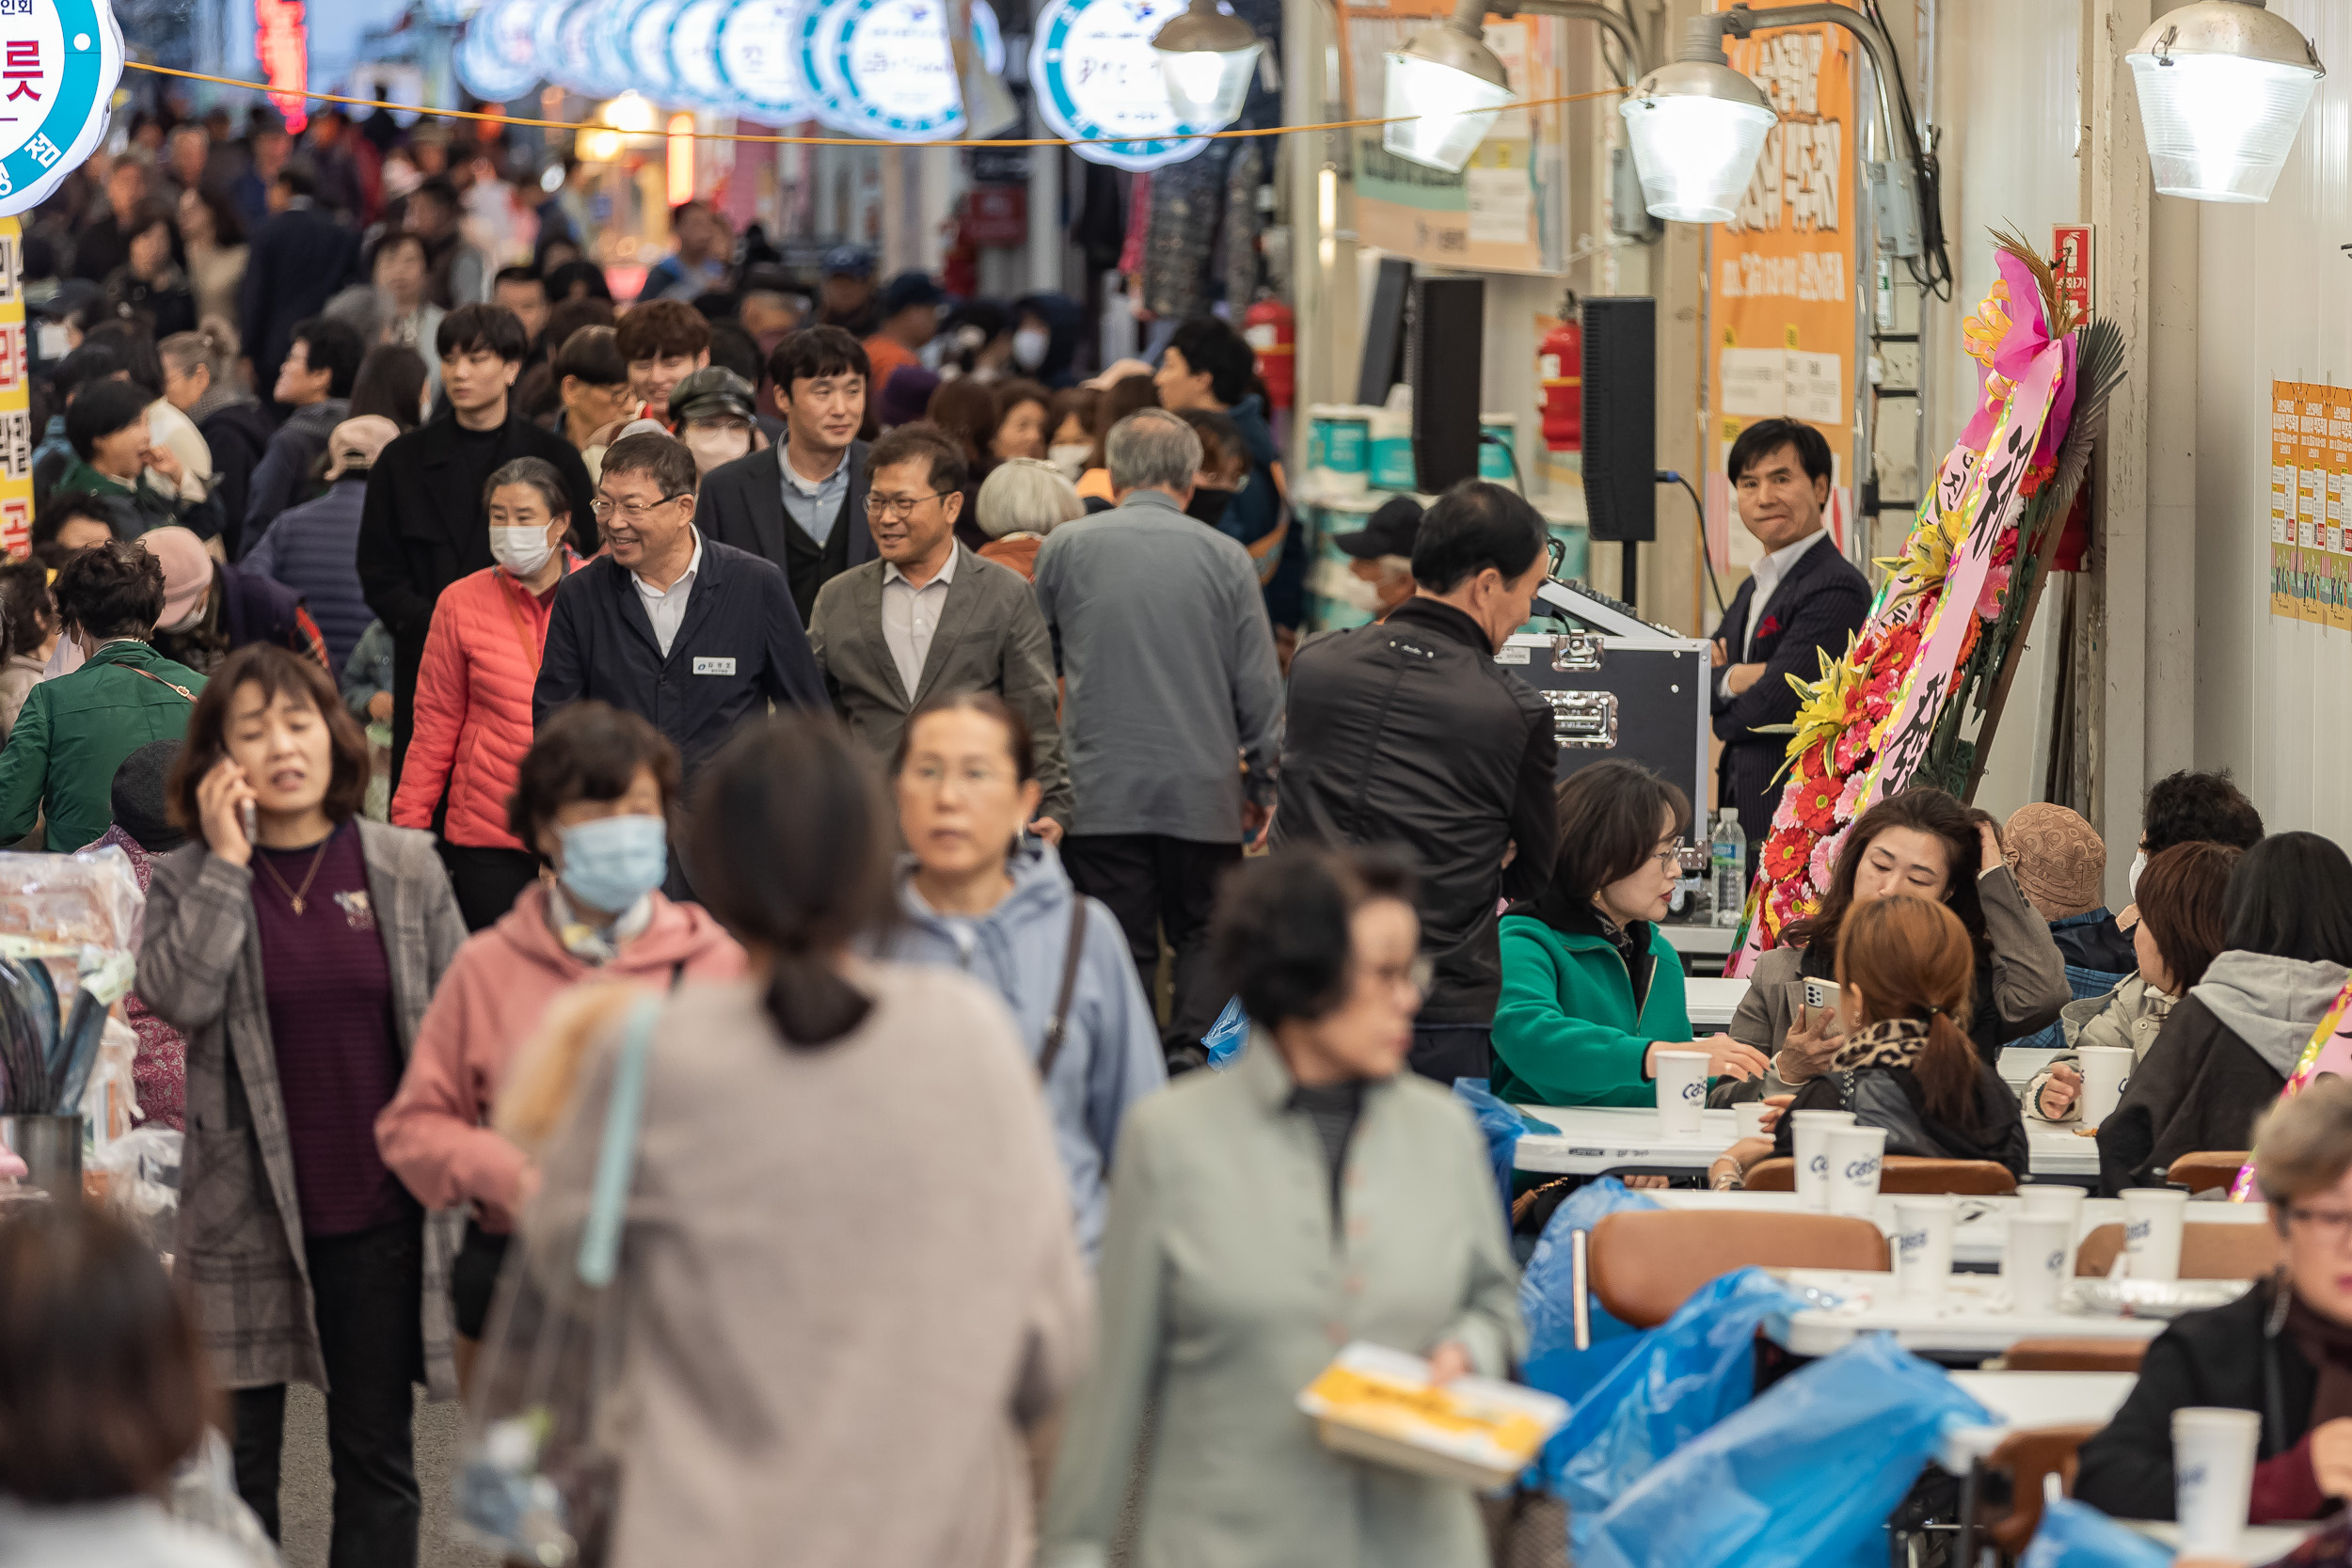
1160	886
487	879
1449	1050
368	1288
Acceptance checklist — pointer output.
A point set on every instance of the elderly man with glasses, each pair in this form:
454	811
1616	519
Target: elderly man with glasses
693	636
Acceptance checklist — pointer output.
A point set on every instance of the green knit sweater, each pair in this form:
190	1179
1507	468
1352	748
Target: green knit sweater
1566	1030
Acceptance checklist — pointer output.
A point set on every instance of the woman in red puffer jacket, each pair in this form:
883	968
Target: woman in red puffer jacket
473	690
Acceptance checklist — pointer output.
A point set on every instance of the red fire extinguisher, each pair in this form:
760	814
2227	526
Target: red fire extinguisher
1273	333
1560	368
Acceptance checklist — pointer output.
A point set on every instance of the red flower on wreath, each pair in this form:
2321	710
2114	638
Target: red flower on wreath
1817	803
1786	854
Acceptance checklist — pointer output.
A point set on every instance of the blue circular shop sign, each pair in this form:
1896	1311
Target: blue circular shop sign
59	62
1093	68
755	47
883	68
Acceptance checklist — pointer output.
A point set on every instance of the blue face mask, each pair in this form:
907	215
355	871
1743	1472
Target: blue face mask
613	861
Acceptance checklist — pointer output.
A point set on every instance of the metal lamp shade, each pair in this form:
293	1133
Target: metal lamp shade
1696	130
2223	88
1453	86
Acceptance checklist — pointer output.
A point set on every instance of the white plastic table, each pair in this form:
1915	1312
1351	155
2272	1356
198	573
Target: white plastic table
1972	1319
1712	1000
1712	942
1981	1225
1597	1138
2022	1400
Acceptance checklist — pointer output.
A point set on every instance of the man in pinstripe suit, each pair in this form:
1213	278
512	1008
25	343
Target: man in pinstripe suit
1803	597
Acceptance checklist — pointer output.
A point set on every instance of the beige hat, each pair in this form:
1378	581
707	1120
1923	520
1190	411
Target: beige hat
357	443
2059	859
187	570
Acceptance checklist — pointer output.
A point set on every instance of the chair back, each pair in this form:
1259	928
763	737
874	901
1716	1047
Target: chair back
1646	1263
2057	1354
2204	1171
1909	1175
2207	1251
2027	1457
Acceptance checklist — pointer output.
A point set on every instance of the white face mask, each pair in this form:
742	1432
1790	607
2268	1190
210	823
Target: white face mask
1028	347
1069	457
521	550
713	446
2139	863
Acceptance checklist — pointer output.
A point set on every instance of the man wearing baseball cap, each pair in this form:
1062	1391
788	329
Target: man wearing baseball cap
212	609
1381	552
712	412
845	297
910	319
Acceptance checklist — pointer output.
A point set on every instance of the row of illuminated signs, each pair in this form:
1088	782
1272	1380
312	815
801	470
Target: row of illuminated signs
880	69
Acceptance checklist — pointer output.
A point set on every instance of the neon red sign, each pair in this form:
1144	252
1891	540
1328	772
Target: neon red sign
283	43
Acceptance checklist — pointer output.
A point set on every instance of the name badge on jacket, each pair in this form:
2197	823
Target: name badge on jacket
714	667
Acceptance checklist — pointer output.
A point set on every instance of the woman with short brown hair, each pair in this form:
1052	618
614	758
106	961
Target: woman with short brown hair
297	944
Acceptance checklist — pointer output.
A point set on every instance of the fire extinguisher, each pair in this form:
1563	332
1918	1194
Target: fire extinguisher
1560	368
1273	334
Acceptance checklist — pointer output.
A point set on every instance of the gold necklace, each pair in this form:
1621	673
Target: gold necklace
293	895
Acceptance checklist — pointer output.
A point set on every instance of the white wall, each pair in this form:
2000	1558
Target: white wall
2275	301
2008	100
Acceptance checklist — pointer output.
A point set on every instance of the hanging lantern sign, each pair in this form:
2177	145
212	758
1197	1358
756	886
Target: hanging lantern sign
565	37
883	68
757	60
498	59
694	56
608	47
450	12
60	63
1095	75
645	32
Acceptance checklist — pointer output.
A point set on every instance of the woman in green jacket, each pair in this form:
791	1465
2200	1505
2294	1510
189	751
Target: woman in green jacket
1591	988
74	731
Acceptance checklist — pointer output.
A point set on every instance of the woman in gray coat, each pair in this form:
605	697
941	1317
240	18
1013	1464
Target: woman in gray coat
296	946
1262	1218
1923	843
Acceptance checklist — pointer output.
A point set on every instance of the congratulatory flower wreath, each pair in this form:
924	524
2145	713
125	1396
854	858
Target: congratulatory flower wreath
1889	711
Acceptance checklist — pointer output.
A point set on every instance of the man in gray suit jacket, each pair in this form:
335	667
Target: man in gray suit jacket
931	619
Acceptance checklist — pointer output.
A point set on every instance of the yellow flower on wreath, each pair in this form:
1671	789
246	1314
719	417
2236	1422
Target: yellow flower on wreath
1823	706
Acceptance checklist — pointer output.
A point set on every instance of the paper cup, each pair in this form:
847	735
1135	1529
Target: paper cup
2152	1232
1749	1115
2057	1201
2034	1261
2105	1069
1681	1092
1857	1154
1923	1248
2212	1477
1808	1133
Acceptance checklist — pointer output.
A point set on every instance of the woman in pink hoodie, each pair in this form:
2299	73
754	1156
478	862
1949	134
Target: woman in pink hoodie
592	797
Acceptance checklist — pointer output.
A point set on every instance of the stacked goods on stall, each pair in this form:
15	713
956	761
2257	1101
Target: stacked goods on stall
1896	710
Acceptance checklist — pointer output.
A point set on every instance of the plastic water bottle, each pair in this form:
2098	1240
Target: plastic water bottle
1728	853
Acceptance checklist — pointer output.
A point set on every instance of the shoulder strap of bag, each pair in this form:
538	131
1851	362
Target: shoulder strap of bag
616	1161
148	674
1058	1025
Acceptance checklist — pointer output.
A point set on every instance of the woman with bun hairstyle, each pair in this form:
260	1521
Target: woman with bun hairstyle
200	381
1922	844
1905	970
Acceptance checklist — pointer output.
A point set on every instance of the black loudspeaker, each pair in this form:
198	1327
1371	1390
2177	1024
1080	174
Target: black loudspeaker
1449	323
1621	418
1384	332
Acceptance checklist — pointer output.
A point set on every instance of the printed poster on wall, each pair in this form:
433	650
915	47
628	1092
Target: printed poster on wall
1782	272
1505	211
2285	401
16	413
2338	482
2311	490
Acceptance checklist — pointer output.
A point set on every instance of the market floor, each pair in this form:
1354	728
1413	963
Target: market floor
305	1495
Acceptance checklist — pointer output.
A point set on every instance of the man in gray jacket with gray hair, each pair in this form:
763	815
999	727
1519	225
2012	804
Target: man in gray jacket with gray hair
1171	708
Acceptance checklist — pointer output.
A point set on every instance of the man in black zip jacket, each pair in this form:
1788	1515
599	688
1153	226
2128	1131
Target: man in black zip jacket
1406	733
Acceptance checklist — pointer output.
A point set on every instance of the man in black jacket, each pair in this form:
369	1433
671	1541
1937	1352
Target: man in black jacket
1802	599
1407	732
692	635
424	524
300	258
803	505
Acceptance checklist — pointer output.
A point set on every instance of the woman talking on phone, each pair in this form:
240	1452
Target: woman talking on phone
296	946
1920	844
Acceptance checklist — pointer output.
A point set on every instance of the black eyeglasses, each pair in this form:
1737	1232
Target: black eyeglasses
898	508
632	512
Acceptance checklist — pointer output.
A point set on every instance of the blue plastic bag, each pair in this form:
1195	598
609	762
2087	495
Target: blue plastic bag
1227	1036
1503	1124
1677	1381
1547	1298
1805	1477
2076	1535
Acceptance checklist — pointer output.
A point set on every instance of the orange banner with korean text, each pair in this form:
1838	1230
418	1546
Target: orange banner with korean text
1783	273
17	435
